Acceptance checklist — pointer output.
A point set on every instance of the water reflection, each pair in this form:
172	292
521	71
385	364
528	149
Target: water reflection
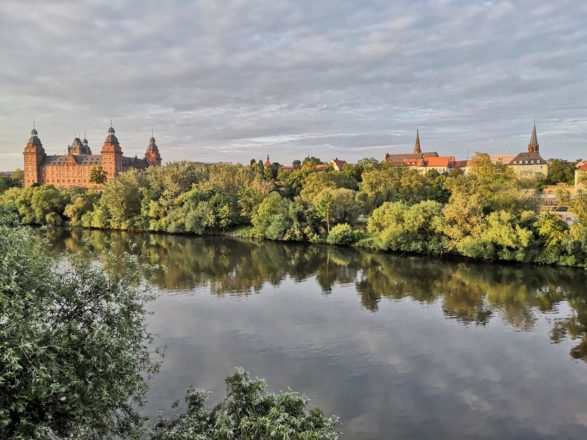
470	293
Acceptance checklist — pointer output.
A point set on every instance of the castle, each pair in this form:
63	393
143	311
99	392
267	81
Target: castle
77	166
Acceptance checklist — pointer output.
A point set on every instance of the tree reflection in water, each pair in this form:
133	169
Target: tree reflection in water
470	293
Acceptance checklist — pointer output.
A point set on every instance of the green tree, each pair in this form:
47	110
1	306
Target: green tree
560	171
73	344
316	182
248	412
98	175
337	206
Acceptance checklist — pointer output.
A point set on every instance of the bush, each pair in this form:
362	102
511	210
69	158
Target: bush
248	413
73	344
342	234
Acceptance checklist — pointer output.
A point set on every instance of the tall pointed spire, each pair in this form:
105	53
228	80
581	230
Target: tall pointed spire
417	149
533	146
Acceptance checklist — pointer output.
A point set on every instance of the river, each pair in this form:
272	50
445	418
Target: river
396	346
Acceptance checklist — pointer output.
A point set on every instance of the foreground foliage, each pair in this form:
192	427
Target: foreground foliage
72	342
248	413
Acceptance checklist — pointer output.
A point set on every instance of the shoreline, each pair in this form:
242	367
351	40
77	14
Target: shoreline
230	233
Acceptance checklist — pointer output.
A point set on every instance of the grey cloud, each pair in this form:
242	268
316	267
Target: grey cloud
237	79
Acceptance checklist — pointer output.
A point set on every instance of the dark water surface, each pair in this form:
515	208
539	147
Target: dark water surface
397	346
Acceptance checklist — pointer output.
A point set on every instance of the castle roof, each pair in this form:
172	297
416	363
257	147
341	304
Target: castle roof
80	159
530	158
409	156
78	147
111	138
34	140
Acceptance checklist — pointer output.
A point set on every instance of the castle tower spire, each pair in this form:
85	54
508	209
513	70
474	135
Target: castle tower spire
34	154
152	155
417	148
533	146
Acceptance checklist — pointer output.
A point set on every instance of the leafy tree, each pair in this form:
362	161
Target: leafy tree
248	412
17	177
560	171
98	175
417	228
337	206
73	346
501	236
121	199
273	208
317	182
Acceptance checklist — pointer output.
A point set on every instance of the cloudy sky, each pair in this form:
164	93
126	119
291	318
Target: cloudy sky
235	79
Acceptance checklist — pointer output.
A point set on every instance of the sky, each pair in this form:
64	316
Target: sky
233	80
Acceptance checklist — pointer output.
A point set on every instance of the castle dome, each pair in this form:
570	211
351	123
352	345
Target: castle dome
111	138
34	140
152	155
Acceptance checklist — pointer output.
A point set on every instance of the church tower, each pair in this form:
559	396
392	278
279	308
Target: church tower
417	149
533	146
152	155
111	155
34	153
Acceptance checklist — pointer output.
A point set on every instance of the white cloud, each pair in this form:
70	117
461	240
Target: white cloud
213	76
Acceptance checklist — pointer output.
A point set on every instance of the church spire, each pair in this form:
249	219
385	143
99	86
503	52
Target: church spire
533	146
417	149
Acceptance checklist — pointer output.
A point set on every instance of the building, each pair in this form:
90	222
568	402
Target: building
411	159
501	159
337	164
463	165
530	164
75	167
442	164
581	175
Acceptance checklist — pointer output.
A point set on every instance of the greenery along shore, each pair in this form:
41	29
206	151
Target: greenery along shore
487	214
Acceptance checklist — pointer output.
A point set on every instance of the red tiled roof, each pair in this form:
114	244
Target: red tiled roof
322	166
582	167
461	163
446	161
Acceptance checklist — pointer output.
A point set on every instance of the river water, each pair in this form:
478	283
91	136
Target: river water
396	346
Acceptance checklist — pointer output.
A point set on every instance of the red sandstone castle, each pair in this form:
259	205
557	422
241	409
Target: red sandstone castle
75	168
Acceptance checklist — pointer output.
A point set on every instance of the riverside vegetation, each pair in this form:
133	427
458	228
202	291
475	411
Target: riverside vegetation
76	359
488	214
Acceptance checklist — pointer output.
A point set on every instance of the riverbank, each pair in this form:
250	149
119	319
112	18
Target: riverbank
487	215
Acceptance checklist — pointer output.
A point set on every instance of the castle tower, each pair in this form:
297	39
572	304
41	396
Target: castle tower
86	146
152	155
76	148
34	153
417	149
533	146
111	155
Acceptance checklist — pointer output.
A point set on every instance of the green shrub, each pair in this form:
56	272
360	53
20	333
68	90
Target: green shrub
342	234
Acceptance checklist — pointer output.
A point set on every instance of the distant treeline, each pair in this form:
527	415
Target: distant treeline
488	214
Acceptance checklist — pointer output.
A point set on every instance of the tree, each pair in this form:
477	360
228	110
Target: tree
560	171
98	175
324	203
73	344
248	413
337	206
318	181
17	177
